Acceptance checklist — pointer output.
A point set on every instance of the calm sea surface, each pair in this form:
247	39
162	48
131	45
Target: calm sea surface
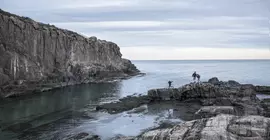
58	114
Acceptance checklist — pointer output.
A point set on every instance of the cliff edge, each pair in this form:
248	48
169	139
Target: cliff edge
37	57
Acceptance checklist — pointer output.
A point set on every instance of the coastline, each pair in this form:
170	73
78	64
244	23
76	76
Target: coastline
44	88
226	102
38	57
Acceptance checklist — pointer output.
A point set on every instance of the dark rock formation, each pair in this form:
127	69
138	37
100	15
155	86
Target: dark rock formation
226	97
241	98
221	127
263	89
213	80
38	57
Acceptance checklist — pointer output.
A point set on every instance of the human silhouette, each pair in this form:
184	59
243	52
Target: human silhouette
170	83
194	75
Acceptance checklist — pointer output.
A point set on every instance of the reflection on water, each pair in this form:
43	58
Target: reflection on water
108	126
50	106
263	96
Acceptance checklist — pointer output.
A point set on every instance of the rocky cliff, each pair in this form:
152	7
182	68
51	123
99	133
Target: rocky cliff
37	56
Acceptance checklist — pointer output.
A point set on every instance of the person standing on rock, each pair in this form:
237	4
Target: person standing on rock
170	83
198	77
194	75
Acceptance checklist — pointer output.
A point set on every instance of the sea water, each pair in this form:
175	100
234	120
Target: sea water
61	113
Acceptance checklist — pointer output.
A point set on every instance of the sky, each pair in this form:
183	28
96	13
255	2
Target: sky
162	29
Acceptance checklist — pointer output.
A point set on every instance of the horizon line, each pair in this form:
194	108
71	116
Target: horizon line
199	59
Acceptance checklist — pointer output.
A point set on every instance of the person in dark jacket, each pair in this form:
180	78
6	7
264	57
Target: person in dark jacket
170	83
198	77
194	75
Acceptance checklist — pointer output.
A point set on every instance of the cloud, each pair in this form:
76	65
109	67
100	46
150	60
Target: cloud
157	25
174	53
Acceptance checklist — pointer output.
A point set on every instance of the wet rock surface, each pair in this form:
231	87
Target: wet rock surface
36	57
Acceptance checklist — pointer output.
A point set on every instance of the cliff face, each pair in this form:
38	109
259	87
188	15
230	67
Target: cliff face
33	52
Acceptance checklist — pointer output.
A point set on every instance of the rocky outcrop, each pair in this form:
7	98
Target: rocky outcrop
263	89
37	57
204	91
241	98
221	97
221	127
229	111
125	104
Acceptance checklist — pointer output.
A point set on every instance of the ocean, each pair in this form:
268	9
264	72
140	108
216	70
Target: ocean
158	73
60	113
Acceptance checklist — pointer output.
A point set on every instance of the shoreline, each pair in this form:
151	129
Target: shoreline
219	100
39	89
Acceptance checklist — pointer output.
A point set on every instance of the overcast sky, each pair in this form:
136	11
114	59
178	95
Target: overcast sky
162	29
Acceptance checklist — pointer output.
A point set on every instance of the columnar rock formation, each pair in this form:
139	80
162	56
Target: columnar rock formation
35	54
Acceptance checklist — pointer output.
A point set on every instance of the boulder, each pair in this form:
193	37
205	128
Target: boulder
233	83
213	80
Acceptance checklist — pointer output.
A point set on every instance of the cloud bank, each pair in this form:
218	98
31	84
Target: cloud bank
146	29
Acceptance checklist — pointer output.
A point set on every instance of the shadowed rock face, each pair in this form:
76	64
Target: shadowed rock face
35	54
221	127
